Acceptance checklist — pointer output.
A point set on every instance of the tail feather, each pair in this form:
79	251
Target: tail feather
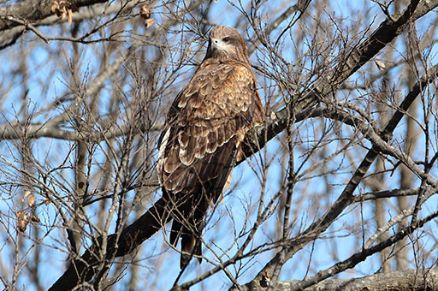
190	243
175	232
190	246
192	189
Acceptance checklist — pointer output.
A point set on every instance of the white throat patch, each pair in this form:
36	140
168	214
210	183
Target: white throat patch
221	45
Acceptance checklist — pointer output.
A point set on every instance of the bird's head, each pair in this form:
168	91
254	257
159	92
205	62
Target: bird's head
226	43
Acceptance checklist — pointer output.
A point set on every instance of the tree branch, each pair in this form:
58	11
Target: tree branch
362	255
401	281
387	31
82	268
347	197
33	10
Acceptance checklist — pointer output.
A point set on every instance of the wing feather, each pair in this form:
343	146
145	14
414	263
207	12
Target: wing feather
205	125
207	118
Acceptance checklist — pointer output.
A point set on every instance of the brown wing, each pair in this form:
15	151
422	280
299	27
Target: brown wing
204	128
217	105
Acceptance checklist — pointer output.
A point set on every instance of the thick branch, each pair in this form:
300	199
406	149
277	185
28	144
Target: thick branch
362	255
401	281
132	236
32	10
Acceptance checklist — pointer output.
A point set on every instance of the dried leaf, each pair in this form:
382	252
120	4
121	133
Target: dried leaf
22	220
63	9
31	200
54	8
380	65
149	22
145	12
69	16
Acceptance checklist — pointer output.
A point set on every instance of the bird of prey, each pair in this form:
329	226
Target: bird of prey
202	138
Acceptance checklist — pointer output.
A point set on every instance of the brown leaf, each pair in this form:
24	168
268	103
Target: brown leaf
69	16
54	8
63	9
149	22
22	220
30	198
145	12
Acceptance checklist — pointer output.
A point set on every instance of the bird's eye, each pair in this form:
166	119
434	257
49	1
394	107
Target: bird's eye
226	39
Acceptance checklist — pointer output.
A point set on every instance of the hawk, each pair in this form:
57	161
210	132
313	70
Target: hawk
202	138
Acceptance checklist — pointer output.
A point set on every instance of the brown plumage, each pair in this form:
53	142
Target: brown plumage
205	126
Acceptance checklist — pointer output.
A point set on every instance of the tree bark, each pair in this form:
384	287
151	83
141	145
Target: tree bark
400	281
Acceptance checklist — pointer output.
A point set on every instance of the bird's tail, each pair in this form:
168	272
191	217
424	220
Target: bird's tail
190	242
